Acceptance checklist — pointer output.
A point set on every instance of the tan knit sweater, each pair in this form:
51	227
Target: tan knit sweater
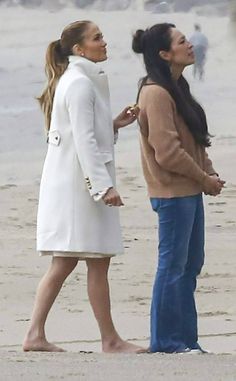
173	163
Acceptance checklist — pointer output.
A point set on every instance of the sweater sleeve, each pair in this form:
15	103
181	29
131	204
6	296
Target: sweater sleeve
80	98
164	138
208	165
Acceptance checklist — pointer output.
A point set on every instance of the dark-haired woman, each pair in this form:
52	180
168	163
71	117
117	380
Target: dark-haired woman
177	170
77	214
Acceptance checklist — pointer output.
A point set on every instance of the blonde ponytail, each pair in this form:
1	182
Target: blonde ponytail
56	64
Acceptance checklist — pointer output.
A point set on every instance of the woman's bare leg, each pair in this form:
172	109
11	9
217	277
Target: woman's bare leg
98	291
47	292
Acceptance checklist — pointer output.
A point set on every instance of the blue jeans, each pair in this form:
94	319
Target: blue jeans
181	257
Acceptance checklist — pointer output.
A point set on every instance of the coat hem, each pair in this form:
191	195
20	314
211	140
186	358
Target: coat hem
77	254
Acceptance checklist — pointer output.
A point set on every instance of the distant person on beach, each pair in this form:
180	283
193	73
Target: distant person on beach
177	170
200	46
78	217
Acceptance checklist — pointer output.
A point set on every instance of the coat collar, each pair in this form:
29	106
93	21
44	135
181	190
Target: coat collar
89	68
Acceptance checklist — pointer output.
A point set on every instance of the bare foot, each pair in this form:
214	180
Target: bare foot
121	346
40	345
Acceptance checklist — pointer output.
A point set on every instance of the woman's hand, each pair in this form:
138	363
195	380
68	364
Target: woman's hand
126	117
112	198
213	185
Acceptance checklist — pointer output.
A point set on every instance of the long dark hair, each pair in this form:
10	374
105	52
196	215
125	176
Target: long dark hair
150	42
57	61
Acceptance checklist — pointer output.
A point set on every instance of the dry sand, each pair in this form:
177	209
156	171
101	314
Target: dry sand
24	37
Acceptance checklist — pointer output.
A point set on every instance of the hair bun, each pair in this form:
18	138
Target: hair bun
138	41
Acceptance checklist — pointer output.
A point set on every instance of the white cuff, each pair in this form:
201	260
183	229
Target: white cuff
99	195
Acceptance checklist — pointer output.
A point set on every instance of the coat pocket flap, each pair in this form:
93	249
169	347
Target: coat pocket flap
54	138
106	156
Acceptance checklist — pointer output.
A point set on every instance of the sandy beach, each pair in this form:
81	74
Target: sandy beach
25	34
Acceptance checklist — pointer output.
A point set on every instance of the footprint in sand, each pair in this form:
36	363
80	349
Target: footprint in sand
74	310
129	179
207	290
217	203
220	275
7	186
30	224
117	264
19	226
212	313
13	218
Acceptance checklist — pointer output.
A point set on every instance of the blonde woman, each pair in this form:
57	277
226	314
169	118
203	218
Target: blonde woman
78	214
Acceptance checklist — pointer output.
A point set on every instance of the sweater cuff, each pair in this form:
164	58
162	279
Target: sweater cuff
213	173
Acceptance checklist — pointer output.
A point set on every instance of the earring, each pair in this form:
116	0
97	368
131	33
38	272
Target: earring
82	54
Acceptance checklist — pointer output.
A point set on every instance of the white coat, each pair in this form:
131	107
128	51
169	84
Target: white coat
79	163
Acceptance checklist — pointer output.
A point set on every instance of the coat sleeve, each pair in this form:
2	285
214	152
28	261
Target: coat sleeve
164	138
80	98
